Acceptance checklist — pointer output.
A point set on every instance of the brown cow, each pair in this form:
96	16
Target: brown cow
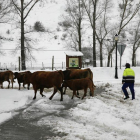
79	84
77	74
20	78
6	76
47	79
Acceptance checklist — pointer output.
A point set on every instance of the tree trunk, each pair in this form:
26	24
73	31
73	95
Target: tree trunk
101	55
94	36
79	34
79	28
108	60
110	55
23	66
133	59
111	60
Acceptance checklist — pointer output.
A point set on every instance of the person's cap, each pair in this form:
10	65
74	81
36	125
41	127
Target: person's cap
127	65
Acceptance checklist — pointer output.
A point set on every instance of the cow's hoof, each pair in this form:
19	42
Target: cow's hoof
34	98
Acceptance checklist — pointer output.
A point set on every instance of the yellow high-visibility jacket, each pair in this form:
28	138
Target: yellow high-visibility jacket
128	76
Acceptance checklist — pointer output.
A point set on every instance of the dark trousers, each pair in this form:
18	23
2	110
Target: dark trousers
131	87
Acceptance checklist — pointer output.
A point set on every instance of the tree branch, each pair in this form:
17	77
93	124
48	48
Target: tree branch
27	5
18	9
30	9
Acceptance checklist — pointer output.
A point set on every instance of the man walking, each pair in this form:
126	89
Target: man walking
128	81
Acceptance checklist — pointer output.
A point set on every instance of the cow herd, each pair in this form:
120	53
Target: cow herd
75	79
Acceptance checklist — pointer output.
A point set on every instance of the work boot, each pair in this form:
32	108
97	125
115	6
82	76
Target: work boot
126	97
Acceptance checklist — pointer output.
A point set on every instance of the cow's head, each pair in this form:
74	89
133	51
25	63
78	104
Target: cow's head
92	92
15	75
66	74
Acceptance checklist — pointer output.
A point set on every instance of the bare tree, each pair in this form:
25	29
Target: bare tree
91	10
5	9
73	23
109	45
135	41
4	18
1	51
128	10
103	28
23	9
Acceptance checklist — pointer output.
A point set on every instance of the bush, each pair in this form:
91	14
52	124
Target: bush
123	35
58	29
121	6
55	37
87	51
65	24
38	26
8	31
64	36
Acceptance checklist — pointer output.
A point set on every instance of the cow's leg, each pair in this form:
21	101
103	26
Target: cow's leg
41	92
91	91
12	82
77	92
23	85
19	86
65	90
35	91
74	93
2	85
55	90
61	91
28	86
8	83
85	92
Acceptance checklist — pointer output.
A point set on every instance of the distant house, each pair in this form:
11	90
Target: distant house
73	59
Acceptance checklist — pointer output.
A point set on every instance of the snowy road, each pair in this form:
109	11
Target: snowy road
23	126
26	123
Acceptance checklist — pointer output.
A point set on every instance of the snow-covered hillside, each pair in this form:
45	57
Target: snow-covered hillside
49	14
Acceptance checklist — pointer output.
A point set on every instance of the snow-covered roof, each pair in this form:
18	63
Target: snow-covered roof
74	53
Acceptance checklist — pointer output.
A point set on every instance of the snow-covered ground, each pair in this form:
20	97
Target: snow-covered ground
105	116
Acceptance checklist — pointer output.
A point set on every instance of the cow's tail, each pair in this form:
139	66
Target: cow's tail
11	77
91	74
92	88
92	83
